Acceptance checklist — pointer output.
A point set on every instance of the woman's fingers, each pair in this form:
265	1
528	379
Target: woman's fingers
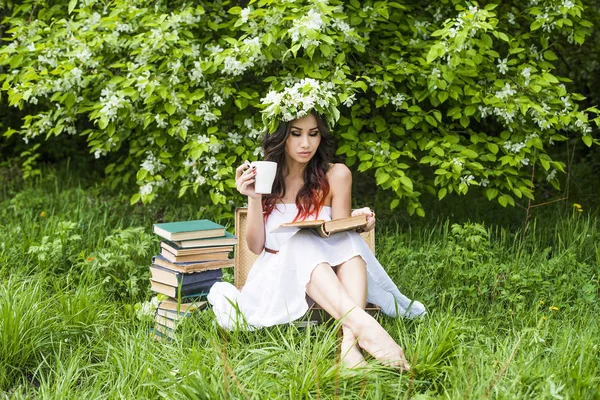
245	176
241	169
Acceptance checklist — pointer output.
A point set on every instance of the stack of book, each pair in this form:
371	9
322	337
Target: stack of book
192	256
169	313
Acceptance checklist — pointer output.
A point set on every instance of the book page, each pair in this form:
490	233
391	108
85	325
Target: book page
292	226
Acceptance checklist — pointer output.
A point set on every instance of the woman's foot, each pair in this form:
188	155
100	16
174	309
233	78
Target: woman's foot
377	342
350	353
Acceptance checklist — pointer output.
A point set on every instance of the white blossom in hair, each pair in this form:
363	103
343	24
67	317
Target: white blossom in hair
298	100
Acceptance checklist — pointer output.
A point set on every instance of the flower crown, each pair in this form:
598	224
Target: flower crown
299	100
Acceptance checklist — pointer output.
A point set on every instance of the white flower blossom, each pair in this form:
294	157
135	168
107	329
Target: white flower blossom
526	73
196	73
503	66
150	164
298	100
514	147
206	114
511	18
111	102
203	139
349	100
484	182
146	189
484	111
312	22
234	138
259	152
160	121
215	148
551	175
245	14
506	91
467	179
232	66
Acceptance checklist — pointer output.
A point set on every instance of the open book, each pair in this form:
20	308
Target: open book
325	228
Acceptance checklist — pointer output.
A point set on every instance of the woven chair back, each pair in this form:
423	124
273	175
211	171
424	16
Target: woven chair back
244	258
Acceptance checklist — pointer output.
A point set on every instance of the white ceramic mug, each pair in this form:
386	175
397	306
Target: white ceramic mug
265	176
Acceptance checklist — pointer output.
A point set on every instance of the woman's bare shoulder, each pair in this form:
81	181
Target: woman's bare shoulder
339	172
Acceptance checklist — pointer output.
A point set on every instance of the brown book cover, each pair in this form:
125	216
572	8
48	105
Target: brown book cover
173	315
326	228
190	267
222	255
179	251
173	305
163	331
166	322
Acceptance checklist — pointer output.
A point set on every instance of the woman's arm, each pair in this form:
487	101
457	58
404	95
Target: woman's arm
340	186
255	224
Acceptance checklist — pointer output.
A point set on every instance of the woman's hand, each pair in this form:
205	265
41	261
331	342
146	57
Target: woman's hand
245	175
370	217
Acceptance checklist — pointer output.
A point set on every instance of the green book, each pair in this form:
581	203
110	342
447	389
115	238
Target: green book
226	240
186	230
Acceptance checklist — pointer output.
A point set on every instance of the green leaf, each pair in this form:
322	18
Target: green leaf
492	147
442	193
550	55
503	201
491	193
587	140
439	151
135	198
405	180
395	203
464	121
170	108
469	153
442	96
72	5
536	24
470	110
382	178
430	120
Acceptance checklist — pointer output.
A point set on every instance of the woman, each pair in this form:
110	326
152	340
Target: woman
335	272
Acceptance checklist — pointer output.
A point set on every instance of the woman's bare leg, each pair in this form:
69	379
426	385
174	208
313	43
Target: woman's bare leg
353	276
326	289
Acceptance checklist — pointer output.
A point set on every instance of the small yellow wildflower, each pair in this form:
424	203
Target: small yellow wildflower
577	206
542	302
43	214
579	210
553	308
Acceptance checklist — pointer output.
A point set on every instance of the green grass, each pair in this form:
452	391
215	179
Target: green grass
508	318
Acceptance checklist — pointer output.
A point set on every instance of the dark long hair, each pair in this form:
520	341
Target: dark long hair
312	194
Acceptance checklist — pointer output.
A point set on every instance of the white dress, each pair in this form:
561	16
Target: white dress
275	290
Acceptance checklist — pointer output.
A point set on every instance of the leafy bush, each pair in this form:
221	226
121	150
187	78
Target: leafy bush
122	263
434	97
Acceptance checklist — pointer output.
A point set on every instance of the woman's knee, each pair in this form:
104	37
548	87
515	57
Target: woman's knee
355	262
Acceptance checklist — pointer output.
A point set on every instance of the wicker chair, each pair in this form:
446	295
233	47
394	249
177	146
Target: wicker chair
244	259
